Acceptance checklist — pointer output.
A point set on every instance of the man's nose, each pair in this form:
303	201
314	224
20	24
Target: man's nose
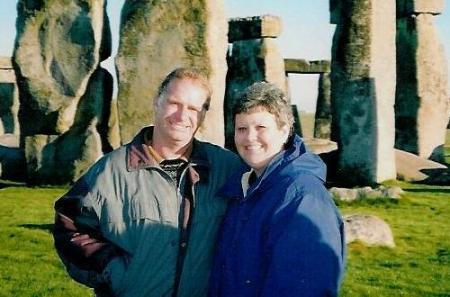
182	113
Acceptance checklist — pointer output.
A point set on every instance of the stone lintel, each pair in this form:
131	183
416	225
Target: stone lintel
266	26
7	74
5	63
305	66
408	7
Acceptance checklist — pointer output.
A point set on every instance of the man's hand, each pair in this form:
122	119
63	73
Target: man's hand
87	244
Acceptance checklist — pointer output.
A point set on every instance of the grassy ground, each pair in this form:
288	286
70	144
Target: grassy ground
28	263
418	266
420	263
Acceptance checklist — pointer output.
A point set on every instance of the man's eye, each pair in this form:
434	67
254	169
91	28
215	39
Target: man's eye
261	126
241	129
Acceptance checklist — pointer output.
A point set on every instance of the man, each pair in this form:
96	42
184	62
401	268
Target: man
143	220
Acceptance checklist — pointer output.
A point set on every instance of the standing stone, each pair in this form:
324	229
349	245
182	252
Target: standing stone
64	158
113	126
57	49
57	159
322	123
9	98
297	123
408	7
40	156
363	90
422	106
250	61
159	36
65	97
96	108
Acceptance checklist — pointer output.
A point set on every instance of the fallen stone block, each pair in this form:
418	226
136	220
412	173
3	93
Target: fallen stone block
368	229
412	168
349	195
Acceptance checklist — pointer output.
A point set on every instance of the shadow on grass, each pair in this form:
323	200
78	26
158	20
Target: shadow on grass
45	227
382	202
424	190
7	183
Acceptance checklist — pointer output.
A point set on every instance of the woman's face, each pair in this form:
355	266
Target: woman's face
258	138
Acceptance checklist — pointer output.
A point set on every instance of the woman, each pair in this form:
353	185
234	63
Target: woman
282	234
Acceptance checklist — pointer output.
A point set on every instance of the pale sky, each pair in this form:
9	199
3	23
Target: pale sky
307	34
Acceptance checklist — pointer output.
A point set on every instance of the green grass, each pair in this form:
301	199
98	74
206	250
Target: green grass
418	266
29	265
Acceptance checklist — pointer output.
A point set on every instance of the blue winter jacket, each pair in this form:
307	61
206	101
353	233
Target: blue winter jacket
285	237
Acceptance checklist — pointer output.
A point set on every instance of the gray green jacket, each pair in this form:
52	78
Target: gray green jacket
127	201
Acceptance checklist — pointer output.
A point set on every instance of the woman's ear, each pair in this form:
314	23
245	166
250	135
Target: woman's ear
286	131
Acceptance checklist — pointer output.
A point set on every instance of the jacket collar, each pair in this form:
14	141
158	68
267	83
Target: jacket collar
139	157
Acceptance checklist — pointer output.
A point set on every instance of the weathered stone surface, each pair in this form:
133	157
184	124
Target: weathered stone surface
305	66
9	98
9	140
7	74
40	155
9	108
58	47
410	167
254	27
57	159
64	158
64	95
322	121
12	158
320	145
408	7
113	126
363	90
349	195
368	229
250	61
95	108
335	11
422	107
158	36
297	122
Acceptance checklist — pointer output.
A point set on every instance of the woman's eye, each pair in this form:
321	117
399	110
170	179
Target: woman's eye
241	129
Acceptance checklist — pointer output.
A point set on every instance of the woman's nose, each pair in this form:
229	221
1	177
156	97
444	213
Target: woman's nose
251	134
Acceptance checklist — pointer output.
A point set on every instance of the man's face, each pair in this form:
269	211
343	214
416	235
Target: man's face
179	111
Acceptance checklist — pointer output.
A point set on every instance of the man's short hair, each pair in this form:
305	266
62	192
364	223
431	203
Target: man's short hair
190	74
266	97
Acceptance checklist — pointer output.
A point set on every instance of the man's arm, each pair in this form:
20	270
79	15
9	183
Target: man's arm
307	256
78	241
